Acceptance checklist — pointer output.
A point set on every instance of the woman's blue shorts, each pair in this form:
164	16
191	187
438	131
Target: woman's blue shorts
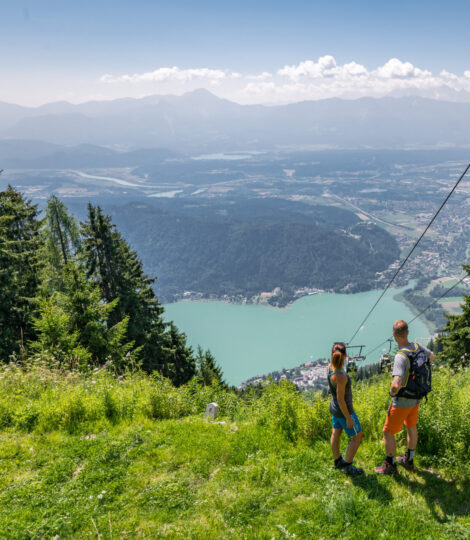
340	423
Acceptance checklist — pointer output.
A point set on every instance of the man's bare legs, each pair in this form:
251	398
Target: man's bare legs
390	444
412	437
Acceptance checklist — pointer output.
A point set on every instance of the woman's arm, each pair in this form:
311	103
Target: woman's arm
340	382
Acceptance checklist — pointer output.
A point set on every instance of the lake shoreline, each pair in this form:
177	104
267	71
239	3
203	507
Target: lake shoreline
249	301
247	340
400	297
245	301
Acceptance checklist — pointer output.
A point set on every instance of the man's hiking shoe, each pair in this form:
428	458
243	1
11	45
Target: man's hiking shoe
405	462
351	470
386	468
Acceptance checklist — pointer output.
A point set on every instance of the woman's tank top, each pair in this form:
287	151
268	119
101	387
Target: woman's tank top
335	409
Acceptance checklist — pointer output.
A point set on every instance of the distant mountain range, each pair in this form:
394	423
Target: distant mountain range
199	121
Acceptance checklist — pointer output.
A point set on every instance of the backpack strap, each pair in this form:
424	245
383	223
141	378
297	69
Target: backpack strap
331	373
404	351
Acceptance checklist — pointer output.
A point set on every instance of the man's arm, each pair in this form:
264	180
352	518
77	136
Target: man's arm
400	365
429	353
396	385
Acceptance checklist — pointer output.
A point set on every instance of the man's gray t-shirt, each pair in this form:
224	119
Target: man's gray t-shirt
400	368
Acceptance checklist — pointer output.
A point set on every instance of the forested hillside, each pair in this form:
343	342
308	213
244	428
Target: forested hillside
239	247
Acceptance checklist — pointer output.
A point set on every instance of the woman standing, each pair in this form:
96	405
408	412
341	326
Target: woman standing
342	411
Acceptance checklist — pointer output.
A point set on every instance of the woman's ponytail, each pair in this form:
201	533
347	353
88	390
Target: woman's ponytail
337	360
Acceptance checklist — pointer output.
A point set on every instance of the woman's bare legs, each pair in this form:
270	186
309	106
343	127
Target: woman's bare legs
353	445
335	442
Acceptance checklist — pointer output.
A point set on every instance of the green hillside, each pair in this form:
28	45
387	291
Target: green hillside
243	247
99	456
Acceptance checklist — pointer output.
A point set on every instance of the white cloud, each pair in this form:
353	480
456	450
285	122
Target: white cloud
325	66
354	69
261	77
169	74
395	68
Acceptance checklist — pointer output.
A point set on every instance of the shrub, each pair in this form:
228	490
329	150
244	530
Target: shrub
38	398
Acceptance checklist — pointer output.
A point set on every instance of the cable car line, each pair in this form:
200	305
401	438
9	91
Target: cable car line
423	311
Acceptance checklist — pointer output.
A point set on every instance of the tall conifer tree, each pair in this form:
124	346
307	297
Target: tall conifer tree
20	243
179	365
118	271
62	242
73	326
208	371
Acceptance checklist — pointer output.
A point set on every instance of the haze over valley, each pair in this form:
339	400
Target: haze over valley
228	201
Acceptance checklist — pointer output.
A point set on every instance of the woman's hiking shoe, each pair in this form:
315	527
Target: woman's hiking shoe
386	468
405	462
348	468
351	470
341	463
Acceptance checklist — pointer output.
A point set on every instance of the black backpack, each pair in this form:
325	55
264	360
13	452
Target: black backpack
418	384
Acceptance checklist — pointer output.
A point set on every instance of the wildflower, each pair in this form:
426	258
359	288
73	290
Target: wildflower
100	496
103	492
90	497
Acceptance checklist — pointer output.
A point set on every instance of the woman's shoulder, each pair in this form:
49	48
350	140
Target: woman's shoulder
339	375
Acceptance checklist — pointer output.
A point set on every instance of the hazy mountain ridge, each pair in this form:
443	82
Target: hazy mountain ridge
34	154
198	121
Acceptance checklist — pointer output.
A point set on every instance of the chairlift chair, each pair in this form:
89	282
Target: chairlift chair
354	359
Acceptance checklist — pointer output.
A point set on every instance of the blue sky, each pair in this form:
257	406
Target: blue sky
60	49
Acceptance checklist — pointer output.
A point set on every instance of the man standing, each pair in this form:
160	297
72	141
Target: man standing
406	391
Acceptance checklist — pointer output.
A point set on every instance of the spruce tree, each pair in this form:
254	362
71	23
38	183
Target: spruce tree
118	271
20	264
455	338
179	365
208	371
61	242
57	342
73	327
88	335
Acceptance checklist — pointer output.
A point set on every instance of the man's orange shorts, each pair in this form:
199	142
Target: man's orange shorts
396	416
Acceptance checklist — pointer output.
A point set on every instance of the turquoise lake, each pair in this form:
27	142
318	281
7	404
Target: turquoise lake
249	340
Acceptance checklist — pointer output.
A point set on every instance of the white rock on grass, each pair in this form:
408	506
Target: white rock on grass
211	410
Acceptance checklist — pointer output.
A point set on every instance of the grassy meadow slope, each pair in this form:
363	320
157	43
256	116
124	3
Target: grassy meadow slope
132	457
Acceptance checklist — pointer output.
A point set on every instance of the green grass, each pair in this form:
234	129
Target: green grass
88	457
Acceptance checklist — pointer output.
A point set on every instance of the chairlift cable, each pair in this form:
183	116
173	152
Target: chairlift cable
423	311
411	251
